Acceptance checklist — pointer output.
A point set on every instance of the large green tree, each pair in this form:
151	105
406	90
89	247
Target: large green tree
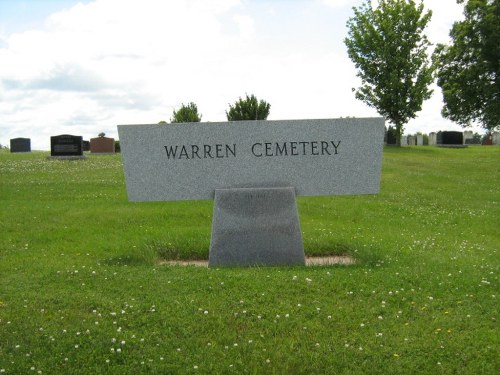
389	49
469	68
248	109
187	113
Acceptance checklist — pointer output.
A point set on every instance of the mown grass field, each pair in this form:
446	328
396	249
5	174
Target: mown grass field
82	290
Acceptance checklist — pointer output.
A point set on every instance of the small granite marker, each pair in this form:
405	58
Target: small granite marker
253	170
20	145
102	145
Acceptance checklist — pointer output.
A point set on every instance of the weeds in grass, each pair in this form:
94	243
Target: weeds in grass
81	290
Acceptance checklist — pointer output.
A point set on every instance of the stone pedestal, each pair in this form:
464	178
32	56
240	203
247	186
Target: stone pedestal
256	227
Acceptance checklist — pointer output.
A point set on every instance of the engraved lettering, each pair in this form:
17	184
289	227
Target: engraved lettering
171	151
218	151
324	148
314	148
335	146
207	151
281	150
194	151
269	152
183	153
230	150
253	150
303	147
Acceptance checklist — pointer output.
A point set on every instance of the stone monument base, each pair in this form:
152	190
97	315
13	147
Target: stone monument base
68	157
256	227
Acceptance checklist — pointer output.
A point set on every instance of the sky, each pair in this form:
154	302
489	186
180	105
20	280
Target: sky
84	67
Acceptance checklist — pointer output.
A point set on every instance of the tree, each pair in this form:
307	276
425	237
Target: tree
187	113
389	49
469	68
248	109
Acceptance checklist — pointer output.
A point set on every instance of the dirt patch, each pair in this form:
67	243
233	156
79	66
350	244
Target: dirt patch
310	261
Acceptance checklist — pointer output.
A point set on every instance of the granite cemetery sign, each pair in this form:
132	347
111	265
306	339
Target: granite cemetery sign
253	170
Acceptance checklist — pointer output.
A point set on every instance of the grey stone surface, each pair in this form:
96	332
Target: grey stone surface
191	161
255	227
432	139
420	139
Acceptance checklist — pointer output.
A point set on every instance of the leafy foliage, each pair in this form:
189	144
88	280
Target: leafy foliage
248	109
187	113
469	69
389	50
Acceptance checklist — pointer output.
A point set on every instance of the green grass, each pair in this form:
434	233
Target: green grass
81	291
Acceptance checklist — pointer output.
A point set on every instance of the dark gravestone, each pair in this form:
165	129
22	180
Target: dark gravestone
452	138
66	146
473	141
20	145
391	136
86	145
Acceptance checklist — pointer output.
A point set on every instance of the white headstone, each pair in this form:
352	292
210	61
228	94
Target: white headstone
495	137
432	139
420	139
468	134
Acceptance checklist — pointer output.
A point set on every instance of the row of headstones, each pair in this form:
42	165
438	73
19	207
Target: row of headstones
448	138
68	145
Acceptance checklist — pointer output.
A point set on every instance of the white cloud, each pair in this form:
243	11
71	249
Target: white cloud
338	3
111	62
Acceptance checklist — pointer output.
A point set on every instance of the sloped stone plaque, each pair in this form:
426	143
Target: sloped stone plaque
252	227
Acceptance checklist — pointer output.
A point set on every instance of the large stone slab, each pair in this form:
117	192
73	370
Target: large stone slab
252	227
192	160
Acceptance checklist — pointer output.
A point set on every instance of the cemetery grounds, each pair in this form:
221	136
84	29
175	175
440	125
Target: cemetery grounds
83	289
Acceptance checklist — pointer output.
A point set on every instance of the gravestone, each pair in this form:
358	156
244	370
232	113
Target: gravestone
20	145
253	170
66	146
495	138
412	140
86	145
432	139
102	145
420	139
452	139
468	136
404	140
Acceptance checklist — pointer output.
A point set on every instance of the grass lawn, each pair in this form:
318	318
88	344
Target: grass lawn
82	291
